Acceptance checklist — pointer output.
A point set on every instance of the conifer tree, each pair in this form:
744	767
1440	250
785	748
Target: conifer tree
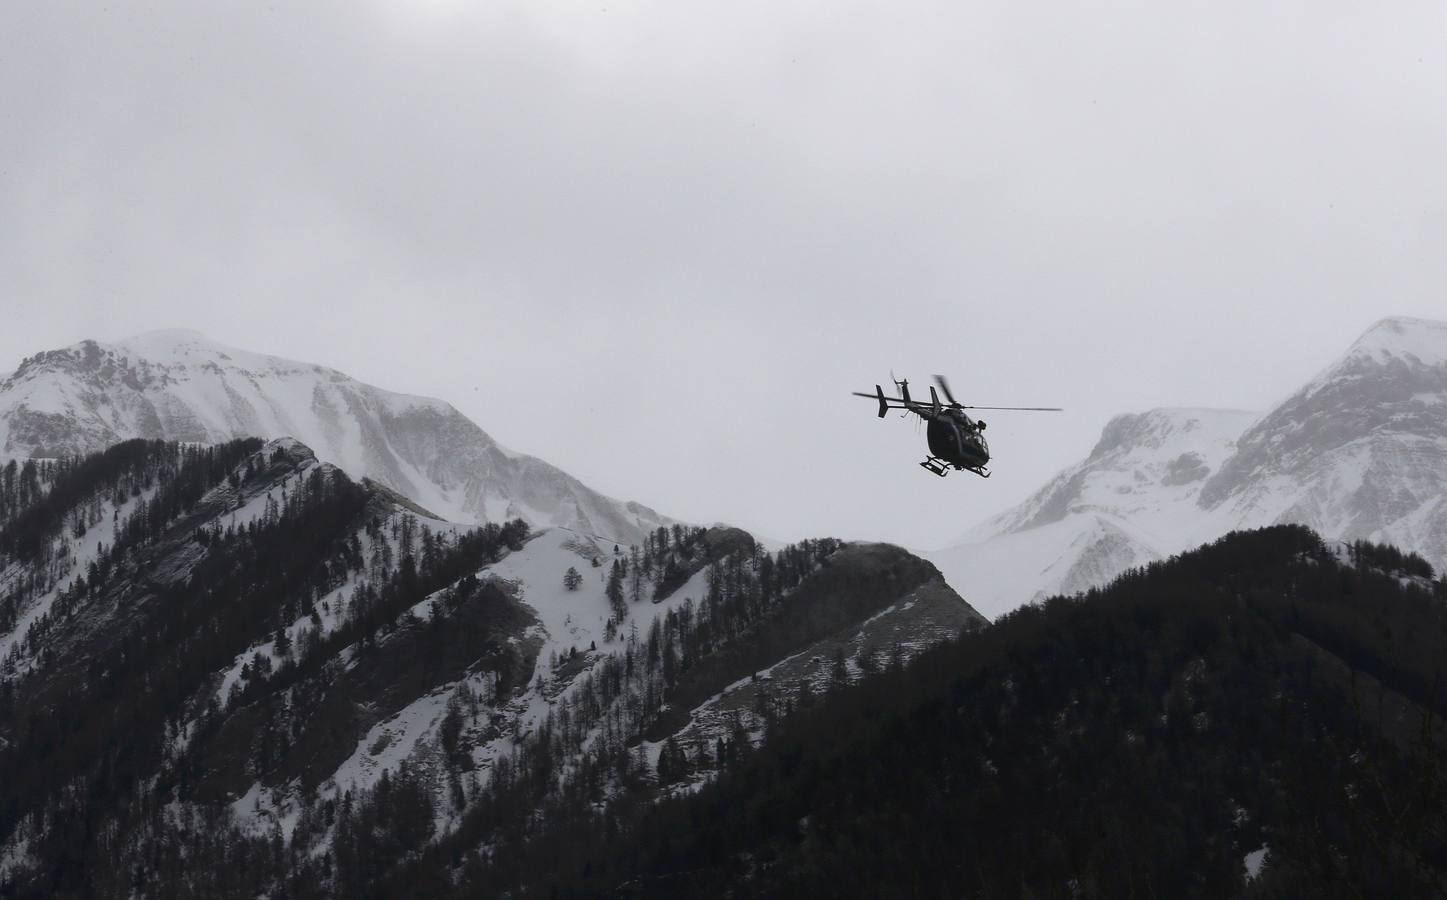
615	591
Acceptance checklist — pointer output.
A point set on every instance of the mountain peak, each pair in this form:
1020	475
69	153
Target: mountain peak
1155	427
1356	453
169	336
1402	337
181	385
134	360
170	342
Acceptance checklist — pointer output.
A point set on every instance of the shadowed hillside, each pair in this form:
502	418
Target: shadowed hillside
1151	739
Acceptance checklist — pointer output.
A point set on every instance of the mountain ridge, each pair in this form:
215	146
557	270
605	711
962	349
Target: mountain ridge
180	385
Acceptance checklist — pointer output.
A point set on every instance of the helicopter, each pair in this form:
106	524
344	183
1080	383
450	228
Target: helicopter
955	440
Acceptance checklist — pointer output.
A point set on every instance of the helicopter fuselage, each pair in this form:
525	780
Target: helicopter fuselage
957	439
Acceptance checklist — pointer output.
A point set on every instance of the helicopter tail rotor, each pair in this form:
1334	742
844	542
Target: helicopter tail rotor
902	385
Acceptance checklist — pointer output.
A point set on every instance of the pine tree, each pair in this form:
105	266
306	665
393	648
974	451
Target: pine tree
635	579
615	591
634	575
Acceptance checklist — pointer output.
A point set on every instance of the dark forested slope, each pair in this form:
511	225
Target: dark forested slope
131	579
1264	692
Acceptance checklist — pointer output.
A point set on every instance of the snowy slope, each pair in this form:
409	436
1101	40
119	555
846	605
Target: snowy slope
1132	501
1147	469
179	385
1359	452
1062	557
82	552
568	621
572	644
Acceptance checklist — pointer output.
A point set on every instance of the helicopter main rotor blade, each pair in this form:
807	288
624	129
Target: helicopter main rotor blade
945	386
1019	408
961	406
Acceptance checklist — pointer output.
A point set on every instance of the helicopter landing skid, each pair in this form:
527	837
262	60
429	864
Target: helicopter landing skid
941	467
937	466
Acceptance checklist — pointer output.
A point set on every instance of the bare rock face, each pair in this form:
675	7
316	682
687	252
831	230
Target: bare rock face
177	385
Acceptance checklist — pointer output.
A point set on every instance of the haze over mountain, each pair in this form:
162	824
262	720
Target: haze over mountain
182	386
1359	452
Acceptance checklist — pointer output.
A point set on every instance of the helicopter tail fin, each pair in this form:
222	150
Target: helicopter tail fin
883	406
934	400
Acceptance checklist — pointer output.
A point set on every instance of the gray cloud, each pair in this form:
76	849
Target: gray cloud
656	244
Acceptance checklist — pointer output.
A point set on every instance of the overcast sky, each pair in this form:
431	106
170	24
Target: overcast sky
657	244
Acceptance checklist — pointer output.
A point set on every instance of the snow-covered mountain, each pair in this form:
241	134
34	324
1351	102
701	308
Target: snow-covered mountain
1359	452
1133	500
178	385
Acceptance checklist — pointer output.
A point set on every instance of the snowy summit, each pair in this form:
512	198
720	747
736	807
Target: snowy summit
1359	452
180	385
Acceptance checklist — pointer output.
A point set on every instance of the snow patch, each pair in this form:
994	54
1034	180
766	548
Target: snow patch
1254	860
